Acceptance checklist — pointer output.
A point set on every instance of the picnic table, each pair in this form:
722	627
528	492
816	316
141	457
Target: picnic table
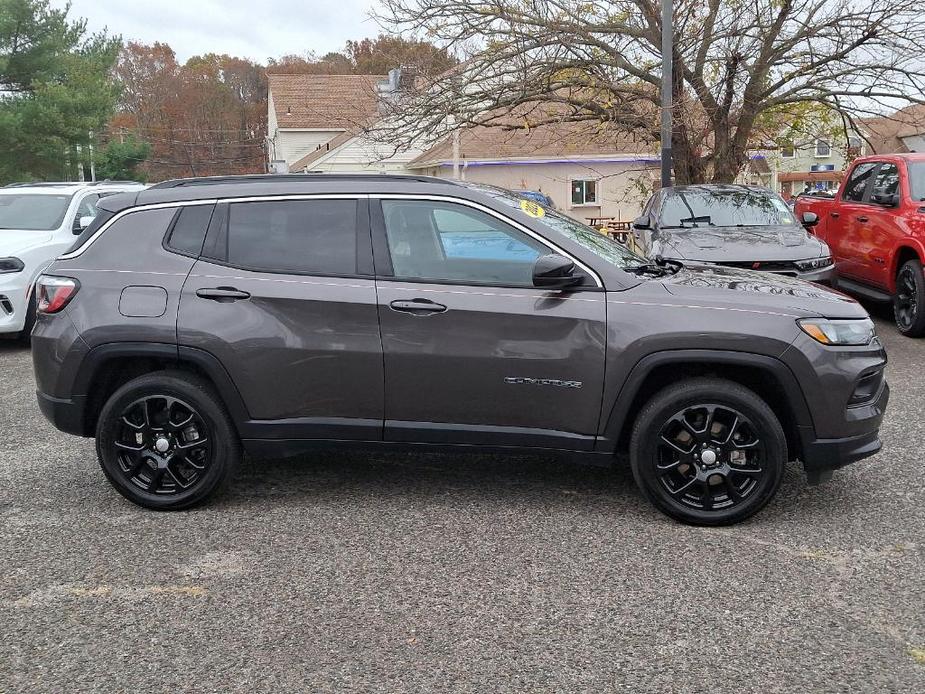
619	230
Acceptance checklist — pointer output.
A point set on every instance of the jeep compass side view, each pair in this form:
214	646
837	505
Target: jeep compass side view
203	318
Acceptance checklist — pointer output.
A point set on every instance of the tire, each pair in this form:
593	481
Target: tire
909	300
707	451
181	412
25	335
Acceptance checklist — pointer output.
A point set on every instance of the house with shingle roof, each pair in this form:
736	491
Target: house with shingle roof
903	131
316	123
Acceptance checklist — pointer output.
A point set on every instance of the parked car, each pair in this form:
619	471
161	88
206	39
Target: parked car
37	222
536	196
280	314
875	227
732	225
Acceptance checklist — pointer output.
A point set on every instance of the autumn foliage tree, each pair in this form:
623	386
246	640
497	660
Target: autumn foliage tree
204	117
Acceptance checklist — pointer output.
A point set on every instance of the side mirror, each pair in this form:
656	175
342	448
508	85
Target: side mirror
554	272
82	223
881	197
642	222
810	219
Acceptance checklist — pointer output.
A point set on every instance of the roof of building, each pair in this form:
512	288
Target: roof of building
887	132
560	140
340	102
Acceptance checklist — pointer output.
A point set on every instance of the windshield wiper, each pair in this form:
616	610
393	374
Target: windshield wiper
705	219
661	266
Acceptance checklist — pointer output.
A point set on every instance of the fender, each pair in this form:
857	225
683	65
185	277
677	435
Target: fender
96	359
613	425
908	242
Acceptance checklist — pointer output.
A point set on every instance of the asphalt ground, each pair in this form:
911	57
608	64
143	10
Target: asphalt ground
427	573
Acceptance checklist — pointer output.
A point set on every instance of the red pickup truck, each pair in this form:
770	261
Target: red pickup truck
875	227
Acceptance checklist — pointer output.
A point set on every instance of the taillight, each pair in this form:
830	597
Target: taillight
54	293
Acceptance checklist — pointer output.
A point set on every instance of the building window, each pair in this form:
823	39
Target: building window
584	192
787	151
823	148
855	147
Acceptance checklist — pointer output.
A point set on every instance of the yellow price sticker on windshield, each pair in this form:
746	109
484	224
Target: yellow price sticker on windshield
532	208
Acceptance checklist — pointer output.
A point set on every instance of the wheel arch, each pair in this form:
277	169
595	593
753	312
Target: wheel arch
109	366
905	252
770	378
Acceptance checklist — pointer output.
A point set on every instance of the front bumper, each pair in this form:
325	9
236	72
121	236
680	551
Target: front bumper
821	457
15	291
823	276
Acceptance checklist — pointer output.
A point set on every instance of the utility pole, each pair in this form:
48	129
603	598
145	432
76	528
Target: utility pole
667	54
92	163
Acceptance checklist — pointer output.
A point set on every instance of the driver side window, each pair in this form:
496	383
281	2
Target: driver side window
447	242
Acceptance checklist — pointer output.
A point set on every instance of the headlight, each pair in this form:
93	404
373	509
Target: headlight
10	265
839	332
814	264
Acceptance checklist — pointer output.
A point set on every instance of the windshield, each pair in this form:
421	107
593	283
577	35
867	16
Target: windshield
917	180
725	207
592	240
32	212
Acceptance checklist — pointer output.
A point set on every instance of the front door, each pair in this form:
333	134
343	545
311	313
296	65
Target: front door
473	352
849	226
884	230
283	296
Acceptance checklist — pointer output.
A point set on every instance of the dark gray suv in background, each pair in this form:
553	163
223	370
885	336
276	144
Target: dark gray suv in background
278	314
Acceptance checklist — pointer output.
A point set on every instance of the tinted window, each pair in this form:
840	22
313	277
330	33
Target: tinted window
189	229
442	241
32	212
857	184
887	180
297	236
722	207
917	180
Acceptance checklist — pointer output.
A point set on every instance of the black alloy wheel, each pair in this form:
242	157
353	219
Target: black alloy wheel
708	452
909	300
709	457
162	445
165	441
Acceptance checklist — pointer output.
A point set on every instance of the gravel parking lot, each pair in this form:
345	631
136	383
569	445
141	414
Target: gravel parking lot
438	573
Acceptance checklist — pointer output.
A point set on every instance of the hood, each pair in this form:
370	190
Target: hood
739	244
13	241
715	284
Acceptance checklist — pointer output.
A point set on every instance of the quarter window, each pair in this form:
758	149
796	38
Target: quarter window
584	192
452	243
857	184
189	229
317	237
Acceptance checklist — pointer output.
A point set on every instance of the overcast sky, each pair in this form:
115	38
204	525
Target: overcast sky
255	29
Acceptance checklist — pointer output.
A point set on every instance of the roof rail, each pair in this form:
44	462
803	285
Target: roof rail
260	178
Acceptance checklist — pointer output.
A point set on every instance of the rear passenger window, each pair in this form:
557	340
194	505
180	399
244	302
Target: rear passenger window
295	236
857	184
189	229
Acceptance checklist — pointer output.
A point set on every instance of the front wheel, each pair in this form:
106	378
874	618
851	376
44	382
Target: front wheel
909	301
165	441
708	452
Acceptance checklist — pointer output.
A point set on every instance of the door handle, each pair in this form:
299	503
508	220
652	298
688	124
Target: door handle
862	219
835	214
222	294
417	307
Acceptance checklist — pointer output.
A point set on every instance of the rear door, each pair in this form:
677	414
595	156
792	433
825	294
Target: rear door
473	352
849	223
284	297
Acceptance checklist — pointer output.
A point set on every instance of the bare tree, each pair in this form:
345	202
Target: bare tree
742	68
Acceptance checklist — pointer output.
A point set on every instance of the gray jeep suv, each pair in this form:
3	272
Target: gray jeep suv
276	314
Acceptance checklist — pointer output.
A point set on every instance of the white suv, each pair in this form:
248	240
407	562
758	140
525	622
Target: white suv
38	222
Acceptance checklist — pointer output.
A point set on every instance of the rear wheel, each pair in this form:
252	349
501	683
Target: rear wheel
909	300
165	441
708	452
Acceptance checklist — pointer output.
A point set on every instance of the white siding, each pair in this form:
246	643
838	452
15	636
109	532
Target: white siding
292	145
362	155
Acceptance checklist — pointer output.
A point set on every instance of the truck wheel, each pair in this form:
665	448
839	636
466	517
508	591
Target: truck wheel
909	301
166	442
708	452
